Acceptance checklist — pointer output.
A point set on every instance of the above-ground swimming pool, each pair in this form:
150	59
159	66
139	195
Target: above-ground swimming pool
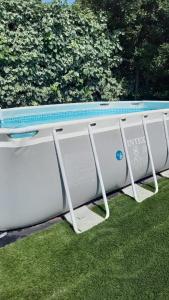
130	141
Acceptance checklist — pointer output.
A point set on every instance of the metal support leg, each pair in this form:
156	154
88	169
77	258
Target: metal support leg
99	170
135	188
166	172
65	181
150	154
166	130
81	219
128	159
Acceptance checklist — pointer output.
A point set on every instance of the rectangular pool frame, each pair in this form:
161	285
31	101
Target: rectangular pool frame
32	186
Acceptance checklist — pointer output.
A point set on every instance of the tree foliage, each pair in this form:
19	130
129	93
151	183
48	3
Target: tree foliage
145	42
55	53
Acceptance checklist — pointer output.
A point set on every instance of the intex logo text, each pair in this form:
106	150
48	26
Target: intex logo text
136	141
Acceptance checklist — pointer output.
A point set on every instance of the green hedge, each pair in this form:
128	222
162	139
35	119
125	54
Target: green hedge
55	53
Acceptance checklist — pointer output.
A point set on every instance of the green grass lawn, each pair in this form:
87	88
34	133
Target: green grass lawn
126	257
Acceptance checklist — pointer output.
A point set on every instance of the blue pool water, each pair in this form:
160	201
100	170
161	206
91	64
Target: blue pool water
18	118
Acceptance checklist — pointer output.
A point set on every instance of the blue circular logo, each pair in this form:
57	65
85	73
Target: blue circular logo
119	155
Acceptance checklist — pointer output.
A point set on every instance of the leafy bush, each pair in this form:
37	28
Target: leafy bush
55	53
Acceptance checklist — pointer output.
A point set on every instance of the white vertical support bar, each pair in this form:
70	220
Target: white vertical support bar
3	234
166	130
65	181
150	153
128	158
99	170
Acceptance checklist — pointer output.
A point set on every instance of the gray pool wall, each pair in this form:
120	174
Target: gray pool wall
31	187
